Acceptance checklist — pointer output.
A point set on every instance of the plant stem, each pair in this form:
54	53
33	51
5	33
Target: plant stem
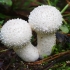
4	50
49	2
63	10
66	15
64	21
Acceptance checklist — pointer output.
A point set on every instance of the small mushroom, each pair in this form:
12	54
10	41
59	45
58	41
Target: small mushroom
16	34
45	20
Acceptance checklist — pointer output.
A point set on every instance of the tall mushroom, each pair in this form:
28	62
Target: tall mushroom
45	20
16	34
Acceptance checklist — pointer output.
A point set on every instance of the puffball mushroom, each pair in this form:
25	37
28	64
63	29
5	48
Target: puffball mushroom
45	20
16	34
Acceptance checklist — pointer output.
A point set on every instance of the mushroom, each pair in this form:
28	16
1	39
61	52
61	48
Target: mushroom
45	20
16	34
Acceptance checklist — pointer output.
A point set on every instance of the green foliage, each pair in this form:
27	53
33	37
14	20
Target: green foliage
64	28
60	66
61	47
54	2
57	49
25	4
1	22
7	2
2	16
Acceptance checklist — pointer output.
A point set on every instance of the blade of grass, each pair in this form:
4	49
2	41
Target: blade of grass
63	10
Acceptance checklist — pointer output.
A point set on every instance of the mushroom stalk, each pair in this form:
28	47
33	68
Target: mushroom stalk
45	20
45	43
28	52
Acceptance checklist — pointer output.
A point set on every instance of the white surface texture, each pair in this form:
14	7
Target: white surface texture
45	19
15	33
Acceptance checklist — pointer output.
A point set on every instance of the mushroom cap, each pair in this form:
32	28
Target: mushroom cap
45	19
15	33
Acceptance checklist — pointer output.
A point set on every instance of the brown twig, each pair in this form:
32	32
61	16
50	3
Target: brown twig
68	2
50	58
47	63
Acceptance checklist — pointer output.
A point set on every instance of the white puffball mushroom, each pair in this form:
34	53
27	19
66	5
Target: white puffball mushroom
16	34
45	20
